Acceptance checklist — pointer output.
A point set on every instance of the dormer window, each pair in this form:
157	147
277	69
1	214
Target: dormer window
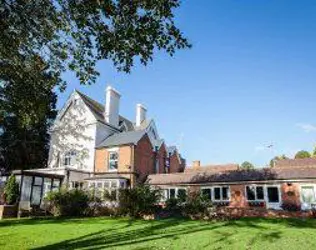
70	158
113	161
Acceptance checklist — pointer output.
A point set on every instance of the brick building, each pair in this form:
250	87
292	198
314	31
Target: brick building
290	183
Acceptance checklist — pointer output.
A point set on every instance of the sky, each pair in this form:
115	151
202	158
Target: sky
248	82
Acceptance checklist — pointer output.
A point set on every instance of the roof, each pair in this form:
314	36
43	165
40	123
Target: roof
295	163
97	110
264	174
171	149
130	137
213	168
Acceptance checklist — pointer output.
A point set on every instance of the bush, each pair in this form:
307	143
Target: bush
138	201
68	202
174	205
289	206
11	191
197	205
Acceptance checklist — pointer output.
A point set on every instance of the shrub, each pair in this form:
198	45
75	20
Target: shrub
11	191
138	201
174	205
289	206
197	205
68	202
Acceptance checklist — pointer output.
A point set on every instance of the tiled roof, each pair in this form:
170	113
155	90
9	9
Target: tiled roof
124	138
294	163
232	176
97	110
213	168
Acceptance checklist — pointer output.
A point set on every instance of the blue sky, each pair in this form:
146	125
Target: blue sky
248	82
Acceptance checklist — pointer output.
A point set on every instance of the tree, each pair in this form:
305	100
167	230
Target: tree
246	165
52	36
11	190
138	201
302	154
24	137
277	158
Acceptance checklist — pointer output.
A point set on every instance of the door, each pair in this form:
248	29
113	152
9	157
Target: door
273	197
307	196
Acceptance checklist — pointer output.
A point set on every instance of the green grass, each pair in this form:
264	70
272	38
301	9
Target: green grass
106	233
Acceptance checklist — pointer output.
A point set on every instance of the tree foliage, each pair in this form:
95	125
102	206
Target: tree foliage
11	190
277	158
62	35
302	154
26	116
246	165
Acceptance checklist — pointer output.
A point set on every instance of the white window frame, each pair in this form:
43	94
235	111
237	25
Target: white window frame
70	155
94	184
113	151
202	188
221	194
166	191
304	205
256	195
273	205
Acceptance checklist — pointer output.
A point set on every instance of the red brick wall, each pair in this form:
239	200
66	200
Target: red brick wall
144	159
291	193
161	157
175	163
238	196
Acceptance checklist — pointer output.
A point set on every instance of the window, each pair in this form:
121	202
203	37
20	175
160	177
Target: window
254	193
172	193
207	193
221	194
157	166
217	193
308	194
273	194
182	194
113	161
36	191
70	158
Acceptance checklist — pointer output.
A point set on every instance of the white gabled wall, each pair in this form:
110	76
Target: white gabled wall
74	129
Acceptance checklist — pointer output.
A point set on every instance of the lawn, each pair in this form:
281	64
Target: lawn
106	233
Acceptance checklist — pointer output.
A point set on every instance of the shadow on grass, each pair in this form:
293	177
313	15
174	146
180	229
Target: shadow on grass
132	232
171	229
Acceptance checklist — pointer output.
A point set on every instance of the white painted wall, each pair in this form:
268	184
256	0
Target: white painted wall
75	129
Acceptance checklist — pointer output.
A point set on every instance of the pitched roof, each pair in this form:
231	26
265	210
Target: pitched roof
213	168
130	137
171	149
97	110
264	174
296	163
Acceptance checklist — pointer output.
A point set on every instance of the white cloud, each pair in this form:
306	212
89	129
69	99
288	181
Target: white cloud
307	127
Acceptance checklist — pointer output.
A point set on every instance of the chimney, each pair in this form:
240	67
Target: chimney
196	164
140	114
112	105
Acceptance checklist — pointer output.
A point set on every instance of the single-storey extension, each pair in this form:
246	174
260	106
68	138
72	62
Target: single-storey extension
290	184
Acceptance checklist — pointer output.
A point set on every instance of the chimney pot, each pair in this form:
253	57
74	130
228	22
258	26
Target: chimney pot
112	104
140	114
196	164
